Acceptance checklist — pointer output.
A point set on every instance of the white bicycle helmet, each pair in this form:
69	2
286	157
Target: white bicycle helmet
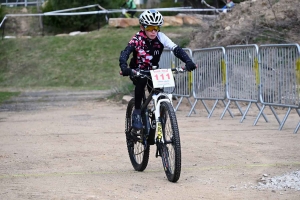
151	18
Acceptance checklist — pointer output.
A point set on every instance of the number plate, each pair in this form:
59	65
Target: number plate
162	78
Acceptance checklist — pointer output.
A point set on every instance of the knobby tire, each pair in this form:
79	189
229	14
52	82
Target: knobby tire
170	150
138	153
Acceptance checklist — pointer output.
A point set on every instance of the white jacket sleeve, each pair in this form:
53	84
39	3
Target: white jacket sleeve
166	41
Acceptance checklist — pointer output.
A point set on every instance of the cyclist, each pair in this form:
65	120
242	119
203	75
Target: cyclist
229	4
147	46
131	6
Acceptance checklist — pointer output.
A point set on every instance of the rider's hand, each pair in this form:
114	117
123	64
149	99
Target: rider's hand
126	71
190	66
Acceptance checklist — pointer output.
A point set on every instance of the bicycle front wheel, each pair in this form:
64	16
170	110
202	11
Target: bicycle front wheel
170	149
138	149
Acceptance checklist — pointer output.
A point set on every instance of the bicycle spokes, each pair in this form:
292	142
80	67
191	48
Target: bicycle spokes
137	147
165	157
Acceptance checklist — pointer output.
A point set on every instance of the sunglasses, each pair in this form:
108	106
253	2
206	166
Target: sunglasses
151	28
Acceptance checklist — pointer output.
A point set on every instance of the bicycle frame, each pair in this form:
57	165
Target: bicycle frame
157	100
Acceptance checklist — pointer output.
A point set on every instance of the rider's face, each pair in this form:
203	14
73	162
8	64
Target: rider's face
150	34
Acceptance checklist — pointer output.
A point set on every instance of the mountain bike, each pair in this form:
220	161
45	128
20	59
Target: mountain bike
160	128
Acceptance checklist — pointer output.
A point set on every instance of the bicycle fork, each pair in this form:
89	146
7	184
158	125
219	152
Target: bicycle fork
159	138
159	129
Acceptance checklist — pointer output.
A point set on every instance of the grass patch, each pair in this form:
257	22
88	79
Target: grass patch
89	61
7	95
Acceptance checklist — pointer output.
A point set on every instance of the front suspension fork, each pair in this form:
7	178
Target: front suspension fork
159	138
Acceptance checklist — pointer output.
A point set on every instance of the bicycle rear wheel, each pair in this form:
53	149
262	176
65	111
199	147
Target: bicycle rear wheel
170	149
138	150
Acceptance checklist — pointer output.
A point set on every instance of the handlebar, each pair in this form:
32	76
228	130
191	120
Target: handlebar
146	73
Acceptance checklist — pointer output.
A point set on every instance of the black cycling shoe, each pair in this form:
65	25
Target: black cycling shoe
137	121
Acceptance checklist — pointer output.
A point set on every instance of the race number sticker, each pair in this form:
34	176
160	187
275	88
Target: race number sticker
162	78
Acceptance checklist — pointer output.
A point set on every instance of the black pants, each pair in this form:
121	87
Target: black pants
132	13
140	84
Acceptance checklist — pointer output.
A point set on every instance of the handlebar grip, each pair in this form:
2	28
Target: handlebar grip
132	70
179	69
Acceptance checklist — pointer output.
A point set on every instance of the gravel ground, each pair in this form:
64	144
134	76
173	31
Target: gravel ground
284	182
75	149
287	181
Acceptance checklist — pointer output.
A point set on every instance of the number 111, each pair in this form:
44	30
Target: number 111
162	76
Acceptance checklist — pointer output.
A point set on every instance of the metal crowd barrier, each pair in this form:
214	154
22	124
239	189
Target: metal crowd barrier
297	127
242	77
267	76
21	2
209	82
183	80
280	79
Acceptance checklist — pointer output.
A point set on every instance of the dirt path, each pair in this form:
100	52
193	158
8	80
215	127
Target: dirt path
77	150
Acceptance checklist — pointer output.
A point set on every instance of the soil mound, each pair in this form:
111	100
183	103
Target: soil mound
252	22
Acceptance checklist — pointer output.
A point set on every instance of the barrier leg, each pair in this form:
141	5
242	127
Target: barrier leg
275	114
297	128
284	119
245	113
178	104
259	114
192	108
229	111
226	107
191	104
239	107
212	110
259	108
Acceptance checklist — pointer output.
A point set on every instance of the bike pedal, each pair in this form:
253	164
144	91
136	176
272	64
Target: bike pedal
134	136
136	132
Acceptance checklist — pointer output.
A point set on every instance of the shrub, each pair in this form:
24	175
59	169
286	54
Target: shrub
2	14
76	22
